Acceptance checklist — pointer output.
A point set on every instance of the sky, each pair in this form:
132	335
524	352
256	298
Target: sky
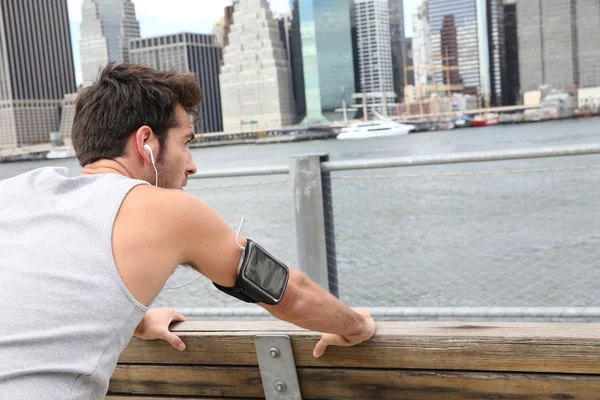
161	17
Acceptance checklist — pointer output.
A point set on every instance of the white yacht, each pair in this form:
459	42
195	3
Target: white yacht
380	127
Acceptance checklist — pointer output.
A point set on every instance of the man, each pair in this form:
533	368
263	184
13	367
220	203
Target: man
84	257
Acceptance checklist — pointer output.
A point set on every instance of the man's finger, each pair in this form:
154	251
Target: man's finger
179	317
362	311
174	340
320	348
328	339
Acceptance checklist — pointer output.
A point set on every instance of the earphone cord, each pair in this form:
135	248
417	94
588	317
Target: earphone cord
187	284
155	174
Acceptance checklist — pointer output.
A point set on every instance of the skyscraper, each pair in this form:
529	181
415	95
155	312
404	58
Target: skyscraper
188	52
588	42
219	33
256	79
468	41
106	28
322	40
36	69
449	50
398	45
511	92
559	43
297	62
421	45
228	22
375	54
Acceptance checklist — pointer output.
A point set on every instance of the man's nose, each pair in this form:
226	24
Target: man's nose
191	168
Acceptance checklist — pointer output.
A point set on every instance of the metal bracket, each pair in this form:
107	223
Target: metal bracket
277	367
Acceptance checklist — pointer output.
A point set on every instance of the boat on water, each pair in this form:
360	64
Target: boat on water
463	122
60	154
382	126
486	120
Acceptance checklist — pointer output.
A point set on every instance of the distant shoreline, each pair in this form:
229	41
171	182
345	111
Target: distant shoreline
68	151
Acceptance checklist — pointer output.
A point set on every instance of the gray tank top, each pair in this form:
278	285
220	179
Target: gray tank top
65	313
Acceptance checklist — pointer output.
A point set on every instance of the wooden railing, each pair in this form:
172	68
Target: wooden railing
405	360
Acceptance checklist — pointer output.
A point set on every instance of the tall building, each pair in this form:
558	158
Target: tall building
297	63
188	52
256	79
67	118
410	73
219	33
467	39
512	89
559	43
321	35
588	42
36	69
496	43
375	54
398	45
284	23
106	28
421	45
354	36
228	22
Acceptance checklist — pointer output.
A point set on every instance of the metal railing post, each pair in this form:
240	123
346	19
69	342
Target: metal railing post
313	217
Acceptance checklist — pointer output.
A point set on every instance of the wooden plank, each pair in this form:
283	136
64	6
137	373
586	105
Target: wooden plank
508	329
187	380
443	385
317	383
551	348
133	397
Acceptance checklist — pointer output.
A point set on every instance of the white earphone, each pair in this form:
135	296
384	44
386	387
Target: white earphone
147	147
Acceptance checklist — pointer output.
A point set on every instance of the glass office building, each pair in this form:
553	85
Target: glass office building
468	49
322	34
106	28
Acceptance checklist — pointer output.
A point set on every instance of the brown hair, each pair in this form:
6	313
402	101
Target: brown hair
124	98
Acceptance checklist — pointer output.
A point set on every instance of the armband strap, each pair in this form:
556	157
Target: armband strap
235	292
250	291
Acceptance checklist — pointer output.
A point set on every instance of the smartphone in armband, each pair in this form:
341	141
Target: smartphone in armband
261	277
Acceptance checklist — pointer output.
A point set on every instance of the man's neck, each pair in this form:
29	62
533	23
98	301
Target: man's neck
107	167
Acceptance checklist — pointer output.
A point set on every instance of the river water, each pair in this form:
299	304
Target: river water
513	233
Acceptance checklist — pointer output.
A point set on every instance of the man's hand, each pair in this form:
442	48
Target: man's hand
155	325
330	339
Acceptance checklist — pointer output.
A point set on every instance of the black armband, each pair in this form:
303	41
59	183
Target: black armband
261	277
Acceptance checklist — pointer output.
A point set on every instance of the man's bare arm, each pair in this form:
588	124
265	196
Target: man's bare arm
209	245
309	306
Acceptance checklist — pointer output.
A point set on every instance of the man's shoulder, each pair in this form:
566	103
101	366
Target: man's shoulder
149	207
155	200
38	174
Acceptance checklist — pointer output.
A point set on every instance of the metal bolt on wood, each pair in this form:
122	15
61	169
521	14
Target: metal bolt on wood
280	386
274	352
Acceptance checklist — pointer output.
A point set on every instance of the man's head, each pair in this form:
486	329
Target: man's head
131	106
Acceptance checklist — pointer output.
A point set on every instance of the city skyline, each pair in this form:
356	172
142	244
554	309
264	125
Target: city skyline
105	28
188	52
158	18
36	72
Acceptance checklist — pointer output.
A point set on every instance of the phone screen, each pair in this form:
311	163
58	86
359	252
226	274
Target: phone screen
266	273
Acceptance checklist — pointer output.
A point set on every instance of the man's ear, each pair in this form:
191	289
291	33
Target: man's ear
142	137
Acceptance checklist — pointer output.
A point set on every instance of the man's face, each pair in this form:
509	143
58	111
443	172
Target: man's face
174	162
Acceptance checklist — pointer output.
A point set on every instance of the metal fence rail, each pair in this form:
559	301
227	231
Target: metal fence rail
438	236
483	156
419	312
